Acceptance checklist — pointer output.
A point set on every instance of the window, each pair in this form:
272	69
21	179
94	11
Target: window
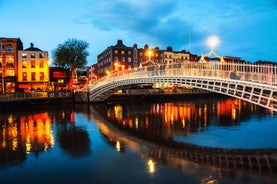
41	76
33	64
24	55
122	52
33	76
9	48
116	51
129	52
116	58
40	64
129	59
33	55
10	72
123	59
24	64
24	76
41	55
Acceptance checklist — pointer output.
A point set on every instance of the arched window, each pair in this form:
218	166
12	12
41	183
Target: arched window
9	48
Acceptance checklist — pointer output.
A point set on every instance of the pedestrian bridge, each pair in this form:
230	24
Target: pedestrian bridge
253	83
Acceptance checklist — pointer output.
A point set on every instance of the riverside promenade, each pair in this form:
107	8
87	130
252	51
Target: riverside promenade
17	100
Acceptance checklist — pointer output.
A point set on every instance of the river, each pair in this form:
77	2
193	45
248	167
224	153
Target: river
193	140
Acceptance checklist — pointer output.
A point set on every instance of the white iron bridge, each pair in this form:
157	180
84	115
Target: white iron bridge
253	83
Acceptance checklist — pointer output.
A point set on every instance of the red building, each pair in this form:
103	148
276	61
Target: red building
9	63
120	57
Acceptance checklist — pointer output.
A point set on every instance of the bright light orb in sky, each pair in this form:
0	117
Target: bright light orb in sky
213	41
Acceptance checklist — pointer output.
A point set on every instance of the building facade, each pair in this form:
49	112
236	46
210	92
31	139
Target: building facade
120	57
115	58
92	73
33	69
8	63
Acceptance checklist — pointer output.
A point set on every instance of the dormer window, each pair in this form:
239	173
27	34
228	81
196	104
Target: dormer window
33	55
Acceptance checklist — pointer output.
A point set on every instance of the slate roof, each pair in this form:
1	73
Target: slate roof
32	48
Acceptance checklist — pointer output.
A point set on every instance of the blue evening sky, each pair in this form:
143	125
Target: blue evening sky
246	28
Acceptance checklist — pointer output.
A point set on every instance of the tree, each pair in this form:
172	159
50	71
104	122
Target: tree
71	54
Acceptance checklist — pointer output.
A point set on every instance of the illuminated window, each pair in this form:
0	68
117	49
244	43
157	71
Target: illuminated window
10	72
40	64
24	76
24	55
116	51
9	48
33	64
122	52
24	64
33	55
41	55
33	76
41	76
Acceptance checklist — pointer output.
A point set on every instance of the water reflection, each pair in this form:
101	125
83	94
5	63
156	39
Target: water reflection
28	132
56	137
150	129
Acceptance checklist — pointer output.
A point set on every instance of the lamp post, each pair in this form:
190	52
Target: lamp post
212	42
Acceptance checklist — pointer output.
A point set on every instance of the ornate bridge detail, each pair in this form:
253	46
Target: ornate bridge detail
253	83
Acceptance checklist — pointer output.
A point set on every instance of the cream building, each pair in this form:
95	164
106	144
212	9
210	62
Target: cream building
33	69
171	57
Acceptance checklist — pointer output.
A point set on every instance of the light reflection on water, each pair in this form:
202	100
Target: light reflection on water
140	143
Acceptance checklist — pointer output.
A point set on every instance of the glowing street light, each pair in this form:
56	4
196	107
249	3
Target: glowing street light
149	54
213	41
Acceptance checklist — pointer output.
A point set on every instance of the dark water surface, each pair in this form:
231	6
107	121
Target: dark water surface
216	140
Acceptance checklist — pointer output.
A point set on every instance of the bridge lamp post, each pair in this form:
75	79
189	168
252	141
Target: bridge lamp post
213	41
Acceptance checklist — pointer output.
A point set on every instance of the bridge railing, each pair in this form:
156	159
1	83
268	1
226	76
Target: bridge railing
266	74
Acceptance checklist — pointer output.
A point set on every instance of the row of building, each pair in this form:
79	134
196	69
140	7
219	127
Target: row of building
122	57
26	70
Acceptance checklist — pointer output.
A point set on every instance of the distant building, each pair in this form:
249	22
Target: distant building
33	69
92	73
175	57
121	57
115	58
59	78
8	63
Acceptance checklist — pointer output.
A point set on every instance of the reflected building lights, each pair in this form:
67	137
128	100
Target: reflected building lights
118	146
151	166
137	122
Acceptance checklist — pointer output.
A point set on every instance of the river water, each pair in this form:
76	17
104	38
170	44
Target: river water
194	140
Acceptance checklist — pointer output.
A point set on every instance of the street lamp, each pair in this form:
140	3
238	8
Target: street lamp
213	41
149	54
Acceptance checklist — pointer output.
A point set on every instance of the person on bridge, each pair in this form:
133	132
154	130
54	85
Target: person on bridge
233	75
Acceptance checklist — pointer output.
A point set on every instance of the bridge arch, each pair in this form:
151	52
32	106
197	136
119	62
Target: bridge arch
253	83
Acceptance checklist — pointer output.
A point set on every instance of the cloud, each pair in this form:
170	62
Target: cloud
240	24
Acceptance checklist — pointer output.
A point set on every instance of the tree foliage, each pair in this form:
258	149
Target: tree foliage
71	54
